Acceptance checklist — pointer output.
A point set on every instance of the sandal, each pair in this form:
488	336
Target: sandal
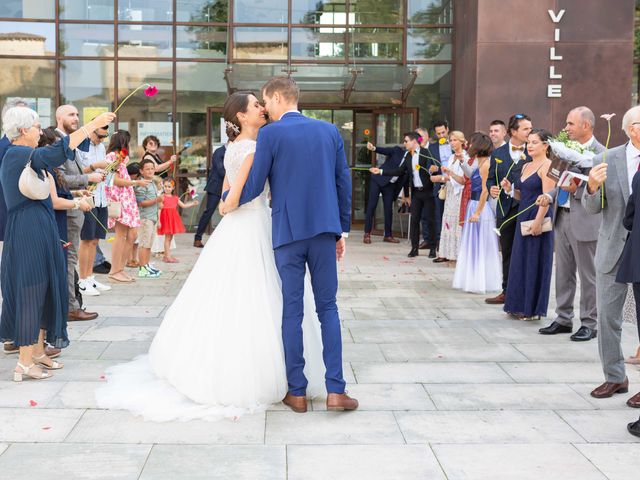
170	260
133	264
54	365
112	278
18	376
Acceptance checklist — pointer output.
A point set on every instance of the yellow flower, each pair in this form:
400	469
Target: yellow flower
498	160
110	239
417	167
442	141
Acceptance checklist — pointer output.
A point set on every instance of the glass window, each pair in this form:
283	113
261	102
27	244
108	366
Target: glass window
86	40
86	9
87	84
34	80
261	11
28	39
139	110
201	41
431	93
202	11
375	43
317	43
634	85
429	44
40	9
381	11
260	43
145	41
430	11
323	12
145	10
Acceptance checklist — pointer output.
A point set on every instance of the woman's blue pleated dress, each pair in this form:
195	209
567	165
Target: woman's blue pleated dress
33	271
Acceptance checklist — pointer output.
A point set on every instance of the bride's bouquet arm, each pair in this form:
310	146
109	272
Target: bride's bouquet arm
233	197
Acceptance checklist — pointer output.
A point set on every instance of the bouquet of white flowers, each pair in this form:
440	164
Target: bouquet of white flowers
571	151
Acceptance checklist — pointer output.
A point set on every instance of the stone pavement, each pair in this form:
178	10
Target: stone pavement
448	386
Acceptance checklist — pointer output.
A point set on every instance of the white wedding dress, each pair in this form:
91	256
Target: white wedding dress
218	352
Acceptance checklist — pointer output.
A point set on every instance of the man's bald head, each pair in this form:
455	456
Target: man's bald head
67	118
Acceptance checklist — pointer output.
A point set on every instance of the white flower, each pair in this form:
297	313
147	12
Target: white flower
607	116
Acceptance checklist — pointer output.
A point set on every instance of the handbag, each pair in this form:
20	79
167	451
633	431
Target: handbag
114	208
31	185
525	227
442	193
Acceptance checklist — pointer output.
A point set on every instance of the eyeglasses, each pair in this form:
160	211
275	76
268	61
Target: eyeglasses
635	123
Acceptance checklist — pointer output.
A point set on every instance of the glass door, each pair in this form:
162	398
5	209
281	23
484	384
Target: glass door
361	159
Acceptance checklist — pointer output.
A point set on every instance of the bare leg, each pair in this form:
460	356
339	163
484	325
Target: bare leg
117	252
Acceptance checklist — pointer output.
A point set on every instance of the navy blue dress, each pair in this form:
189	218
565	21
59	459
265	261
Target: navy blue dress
33	271
531	258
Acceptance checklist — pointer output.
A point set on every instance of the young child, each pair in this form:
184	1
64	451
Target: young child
133	169
170	222
148	200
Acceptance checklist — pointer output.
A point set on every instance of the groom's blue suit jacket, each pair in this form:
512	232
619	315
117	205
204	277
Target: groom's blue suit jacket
310	181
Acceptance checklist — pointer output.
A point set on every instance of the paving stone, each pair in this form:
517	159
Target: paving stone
75	394
419	335
134	333
371	462
125	350
20	395
91	462
554	372
429	373
602	426
362	352
416	352
238	462
377	397
617	461
37	424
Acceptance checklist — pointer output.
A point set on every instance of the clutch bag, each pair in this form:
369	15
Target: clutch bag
525	227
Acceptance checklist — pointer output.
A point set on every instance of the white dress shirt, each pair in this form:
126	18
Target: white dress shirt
633	160
445	154
516	155
415	161
96	153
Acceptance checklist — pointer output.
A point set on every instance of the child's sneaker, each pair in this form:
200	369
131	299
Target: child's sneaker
144	272
152	268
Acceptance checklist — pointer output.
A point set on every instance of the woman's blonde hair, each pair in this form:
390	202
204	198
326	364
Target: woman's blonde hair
458	135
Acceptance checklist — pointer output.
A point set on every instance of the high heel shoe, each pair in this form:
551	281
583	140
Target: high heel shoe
17	376
54	365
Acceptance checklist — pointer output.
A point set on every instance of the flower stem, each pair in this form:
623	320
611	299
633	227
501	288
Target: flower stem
129	96
604	159
99	222
517	214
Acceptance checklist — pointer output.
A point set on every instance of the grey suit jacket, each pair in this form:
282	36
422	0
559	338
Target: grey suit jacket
612	235
72	170
584	226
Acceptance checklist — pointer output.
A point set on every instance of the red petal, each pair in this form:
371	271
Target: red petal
102	377
33	403
385	258
151	91
46	428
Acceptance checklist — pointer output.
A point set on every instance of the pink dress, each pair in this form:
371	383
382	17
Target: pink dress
129	213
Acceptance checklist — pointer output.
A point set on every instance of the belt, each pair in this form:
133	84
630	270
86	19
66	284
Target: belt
564	209
418	189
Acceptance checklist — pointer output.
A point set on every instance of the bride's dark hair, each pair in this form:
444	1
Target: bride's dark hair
237	102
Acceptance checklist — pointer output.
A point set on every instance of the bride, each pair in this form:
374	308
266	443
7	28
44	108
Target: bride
218	352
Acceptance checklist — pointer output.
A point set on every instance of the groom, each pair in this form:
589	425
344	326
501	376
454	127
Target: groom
310	183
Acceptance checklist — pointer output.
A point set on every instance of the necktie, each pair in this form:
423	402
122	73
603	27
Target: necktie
517	149
411	152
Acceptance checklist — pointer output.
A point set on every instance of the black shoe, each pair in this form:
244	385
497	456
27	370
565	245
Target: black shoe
432	253
584	334
413	253
423	246
634	428
103	268
554	328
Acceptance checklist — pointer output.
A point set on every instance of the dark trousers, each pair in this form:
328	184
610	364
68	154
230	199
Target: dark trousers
507	234
212	204
437	218
422	204
636	297
388	196
292	259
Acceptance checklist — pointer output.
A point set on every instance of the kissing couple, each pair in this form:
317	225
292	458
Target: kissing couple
256	321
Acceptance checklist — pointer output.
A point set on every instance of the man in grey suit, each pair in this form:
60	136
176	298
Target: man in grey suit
576	238
621	164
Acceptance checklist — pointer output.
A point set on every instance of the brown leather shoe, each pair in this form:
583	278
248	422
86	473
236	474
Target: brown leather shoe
423	246
198	244
296	403
340	402
52	352
634	402
367	238
607	389
391	240
80	315
497	300
9	347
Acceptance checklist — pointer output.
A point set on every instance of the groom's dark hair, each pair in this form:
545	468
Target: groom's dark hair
285	86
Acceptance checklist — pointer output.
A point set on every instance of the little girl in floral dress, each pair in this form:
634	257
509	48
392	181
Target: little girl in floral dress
170	222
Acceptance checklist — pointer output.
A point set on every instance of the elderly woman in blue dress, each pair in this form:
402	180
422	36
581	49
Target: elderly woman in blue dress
33	272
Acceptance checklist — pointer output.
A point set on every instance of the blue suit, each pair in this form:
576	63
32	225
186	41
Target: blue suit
304	161
4	145
382	184
213	189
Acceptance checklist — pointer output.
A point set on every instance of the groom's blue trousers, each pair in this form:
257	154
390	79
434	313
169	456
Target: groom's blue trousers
319	253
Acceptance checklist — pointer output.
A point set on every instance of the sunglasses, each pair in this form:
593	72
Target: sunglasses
519	116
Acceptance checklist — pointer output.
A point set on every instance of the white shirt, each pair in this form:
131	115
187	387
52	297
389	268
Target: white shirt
516	155
633	160
445	154
415	161
96	153
289	111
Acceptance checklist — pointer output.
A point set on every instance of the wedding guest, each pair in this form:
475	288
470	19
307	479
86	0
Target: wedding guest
133	169
507	162
497	133
170	223
576	239
621	164
532	256
148	202
151	145
389	187
423	141
33	279
213	188
76	177
416	166
478	268
121	193
440	150
95	221
453	178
